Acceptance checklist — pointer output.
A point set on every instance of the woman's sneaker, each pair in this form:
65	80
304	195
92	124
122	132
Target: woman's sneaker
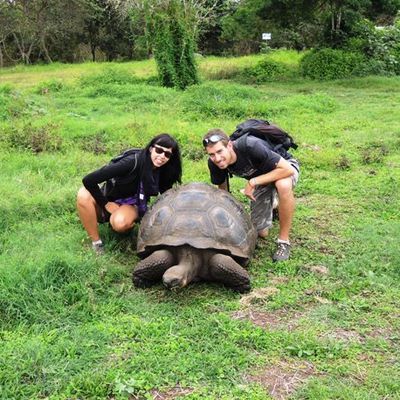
282	253
98	248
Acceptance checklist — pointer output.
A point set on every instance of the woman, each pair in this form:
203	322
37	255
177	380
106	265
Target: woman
130	181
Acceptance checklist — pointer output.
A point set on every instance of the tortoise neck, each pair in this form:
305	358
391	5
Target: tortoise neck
189	263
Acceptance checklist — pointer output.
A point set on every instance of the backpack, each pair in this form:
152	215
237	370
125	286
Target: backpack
276	137
109	185
126	153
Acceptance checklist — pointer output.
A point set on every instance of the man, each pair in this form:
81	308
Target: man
266	171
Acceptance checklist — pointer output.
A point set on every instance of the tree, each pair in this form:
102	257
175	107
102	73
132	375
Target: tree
202	15
32	27
292	24
108	27
210	28
301	23
171	32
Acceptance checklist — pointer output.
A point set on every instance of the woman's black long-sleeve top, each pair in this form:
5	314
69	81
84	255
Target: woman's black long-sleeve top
125	175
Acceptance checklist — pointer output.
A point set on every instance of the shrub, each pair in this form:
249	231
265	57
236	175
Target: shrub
51	86
328	64
110	76
34	139
374	153
381	47
96	144
173	46
266	71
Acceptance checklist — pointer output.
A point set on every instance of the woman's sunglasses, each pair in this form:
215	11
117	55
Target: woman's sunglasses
160	150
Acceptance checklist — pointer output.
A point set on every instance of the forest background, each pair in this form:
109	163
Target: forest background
33	31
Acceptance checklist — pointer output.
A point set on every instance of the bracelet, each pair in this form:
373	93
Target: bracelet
254	183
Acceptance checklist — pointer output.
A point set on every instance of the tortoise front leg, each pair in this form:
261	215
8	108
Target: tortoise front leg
226	270
150	270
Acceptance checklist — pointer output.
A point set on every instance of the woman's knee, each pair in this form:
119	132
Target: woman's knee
84	197
121	222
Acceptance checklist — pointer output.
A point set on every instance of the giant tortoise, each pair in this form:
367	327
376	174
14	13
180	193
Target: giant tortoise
195	232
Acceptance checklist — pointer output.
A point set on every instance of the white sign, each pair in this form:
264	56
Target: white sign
266	36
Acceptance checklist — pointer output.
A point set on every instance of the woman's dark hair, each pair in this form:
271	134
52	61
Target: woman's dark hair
170	172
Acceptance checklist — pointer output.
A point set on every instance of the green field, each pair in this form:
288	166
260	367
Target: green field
324	325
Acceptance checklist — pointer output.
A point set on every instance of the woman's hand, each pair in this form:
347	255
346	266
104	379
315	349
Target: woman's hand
111	207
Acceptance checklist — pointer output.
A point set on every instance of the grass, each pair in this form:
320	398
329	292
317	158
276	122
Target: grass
324	325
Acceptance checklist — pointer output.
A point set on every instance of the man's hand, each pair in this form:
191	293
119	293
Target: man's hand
248	190
111	207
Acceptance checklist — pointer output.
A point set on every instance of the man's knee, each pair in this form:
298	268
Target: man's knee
284	187
263	233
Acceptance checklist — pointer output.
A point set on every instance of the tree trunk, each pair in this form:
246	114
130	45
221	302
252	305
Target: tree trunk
44	48
93	51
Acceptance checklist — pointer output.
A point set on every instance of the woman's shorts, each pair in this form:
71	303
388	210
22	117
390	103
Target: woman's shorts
132	201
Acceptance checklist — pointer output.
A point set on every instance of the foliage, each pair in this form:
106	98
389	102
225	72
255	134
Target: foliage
381	47
108	29
38	31
33	139
173	45
266	71
299	24
330	64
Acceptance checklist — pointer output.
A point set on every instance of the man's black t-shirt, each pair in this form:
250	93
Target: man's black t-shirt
254	158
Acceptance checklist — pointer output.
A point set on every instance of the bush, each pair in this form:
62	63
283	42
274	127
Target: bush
266	71
34	139
328	64
51	86
173	47
381	47
109	76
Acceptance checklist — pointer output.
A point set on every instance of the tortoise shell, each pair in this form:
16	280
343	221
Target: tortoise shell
199	215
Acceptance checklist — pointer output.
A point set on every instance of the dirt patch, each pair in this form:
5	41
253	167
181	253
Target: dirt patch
281	380
278	280
258	296
317	269
385	334
170	394
278	319
346	335
343	335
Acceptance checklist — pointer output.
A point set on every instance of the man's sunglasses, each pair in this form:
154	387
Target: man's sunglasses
212	139
160	150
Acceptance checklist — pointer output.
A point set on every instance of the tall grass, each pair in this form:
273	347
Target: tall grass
72	324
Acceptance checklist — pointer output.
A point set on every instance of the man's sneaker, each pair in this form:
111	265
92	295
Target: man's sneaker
282	252
98	248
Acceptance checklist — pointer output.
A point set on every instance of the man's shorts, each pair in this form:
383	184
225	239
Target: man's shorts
261	209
